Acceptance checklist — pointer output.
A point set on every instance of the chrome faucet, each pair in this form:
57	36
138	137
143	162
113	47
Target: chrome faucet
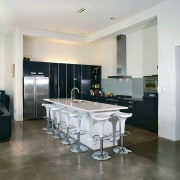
73	89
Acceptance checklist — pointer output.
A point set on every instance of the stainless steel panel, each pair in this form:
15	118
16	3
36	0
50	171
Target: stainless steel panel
42	91
29	97
35	90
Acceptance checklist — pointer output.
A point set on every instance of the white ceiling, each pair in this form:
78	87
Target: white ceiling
62	15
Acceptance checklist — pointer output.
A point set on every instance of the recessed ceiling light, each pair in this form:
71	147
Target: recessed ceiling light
81	10
112	18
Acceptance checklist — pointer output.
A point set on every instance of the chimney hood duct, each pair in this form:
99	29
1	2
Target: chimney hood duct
121	58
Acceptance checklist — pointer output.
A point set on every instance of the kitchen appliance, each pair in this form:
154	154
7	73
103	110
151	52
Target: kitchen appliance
36	88
150	84
115	100
121	71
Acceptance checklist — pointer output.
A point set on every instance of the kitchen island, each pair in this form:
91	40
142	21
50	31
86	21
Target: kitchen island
87	108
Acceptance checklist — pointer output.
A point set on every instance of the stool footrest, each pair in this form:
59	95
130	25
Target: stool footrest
68	140
121	150
78	148
74	132
98	138
117	133
98	155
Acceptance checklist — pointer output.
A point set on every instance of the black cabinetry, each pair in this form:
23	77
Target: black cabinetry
70	79
131	109
150	110
62	74
63	77
86	72
35	68
101	99
57	78
144	113
53	80
77	79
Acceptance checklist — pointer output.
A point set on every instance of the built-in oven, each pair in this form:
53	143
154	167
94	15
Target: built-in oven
150	84
112	101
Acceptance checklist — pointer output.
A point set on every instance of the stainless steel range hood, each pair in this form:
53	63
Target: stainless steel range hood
121	58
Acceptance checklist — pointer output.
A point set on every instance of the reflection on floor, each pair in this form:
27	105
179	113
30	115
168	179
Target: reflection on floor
32	154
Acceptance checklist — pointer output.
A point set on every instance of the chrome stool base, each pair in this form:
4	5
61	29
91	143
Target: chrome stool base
56	134
121	150
68	140
50	132
78	148
44	129
101	156
59	136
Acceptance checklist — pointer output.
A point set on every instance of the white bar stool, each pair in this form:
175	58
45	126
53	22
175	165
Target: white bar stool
47	107
101	118
67	139
78	148
57	121
52	119
114	133
122	120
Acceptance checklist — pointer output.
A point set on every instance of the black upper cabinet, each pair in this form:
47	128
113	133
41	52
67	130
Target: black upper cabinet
35	68
70	79
62	73
53	80
77	72
86	72
57	80
77	78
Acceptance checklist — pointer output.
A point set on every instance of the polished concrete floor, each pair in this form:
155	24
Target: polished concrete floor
31	154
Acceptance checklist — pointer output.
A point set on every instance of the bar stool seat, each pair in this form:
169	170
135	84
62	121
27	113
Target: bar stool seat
122	117
78	147
101	118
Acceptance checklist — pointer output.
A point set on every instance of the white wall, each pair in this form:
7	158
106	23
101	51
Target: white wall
135	53
168	39
104	53
40	49
150	49
2	60
9	80
141	48
177	58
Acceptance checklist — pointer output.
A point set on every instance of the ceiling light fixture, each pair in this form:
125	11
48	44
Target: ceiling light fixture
81	10
112	18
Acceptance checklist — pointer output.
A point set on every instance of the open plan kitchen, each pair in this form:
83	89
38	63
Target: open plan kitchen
89	95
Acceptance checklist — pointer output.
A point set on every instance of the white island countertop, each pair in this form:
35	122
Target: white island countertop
87	106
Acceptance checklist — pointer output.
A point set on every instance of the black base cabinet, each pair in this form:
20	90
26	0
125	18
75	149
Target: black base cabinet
150	111
88	97
144	113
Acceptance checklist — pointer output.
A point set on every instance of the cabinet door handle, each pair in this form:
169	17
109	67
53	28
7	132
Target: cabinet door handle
130	106
130	102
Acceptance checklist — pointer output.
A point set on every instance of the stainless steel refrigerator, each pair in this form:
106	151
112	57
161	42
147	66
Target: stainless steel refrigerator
36	88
